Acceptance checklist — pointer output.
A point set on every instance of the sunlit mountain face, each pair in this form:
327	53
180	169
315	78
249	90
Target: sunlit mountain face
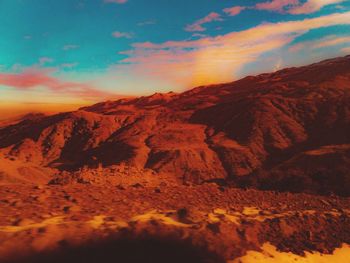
75	52
201	131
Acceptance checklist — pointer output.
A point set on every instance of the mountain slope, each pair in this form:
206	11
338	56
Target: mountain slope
237	131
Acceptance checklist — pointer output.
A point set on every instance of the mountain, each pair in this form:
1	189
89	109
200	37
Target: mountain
274	131
17	119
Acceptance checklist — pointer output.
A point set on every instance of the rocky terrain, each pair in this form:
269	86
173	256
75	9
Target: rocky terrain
216	173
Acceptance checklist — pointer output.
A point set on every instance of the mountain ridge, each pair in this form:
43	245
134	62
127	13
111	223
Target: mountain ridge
234	132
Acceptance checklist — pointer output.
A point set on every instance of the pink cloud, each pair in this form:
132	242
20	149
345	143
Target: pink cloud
346	50
328	41
312	6
233	11
116	1
277	5
198	25
295	6
33	78
217	59
118	34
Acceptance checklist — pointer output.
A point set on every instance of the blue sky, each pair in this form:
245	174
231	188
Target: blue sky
80	51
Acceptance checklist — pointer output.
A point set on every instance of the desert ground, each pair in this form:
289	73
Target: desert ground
255	170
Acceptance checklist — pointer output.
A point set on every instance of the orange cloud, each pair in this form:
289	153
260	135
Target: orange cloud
9	110
198	25
217	59
33	78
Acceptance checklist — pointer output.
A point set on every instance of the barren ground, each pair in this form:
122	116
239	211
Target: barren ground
225	221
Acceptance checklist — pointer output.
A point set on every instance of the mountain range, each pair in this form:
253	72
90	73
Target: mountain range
288	130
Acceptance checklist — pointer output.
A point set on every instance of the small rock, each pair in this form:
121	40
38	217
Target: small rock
182	213
69	209
16	203
215	228
222	189
163	184
23	222
39	187
120	187
325	202
5	201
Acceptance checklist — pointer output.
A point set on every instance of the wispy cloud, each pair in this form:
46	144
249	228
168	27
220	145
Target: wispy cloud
296	7
69	65
235	10
332	42
199	35
217	59
147	22
198	25
45	60
312	6
346	50
118	34
328	41
70	47
116	1
277	5
32	78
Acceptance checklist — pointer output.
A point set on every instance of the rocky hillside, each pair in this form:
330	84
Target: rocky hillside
258	131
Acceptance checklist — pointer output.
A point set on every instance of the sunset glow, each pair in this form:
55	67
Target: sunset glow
79	52
199	131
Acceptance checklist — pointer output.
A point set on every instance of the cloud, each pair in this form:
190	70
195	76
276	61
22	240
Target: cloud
295	7
217	59
312	6
346	50
235	10
70	47
147	22
118	34
32	78
332	42
69	65
198	25
199	35
328	41
45	60
116	1
277	5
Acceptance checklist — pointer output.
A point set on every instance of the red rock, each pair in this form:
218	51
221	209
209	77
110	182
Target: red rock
229	131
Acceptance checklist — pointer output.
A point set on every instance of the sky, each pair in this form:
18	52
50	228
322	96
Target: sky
77	52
